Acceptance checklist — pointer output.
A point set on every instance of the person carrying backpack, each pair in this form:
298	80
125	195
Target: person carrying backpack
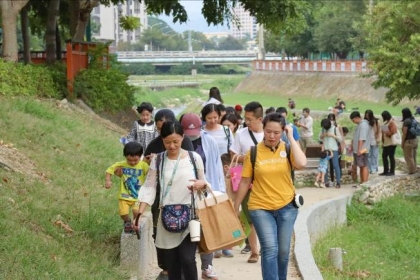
410	131
271	201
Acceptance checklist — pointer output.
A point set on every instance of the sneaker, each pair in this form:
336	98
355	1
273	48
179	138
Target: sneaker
217	254
227	253
246	250
253	258
316	184
322	185
128	227
209	274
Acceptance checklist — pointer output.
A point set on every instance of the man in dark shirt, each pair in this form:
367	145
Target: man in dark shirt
156	145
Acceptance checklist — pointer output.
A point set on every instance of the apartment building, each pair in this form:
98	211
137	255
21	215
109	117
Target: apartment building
108	20
248	24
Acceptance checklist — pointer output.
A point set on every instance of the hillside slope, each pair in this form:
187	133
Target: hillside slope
56	218
345	86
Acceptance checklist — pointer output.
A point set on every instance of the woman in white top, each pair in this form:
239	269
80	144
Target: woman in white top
210	114
375	140
214	97
177	179
330	137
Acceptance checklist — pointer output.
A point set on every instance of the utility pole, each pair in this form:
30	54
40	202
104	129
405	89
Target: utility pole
189	41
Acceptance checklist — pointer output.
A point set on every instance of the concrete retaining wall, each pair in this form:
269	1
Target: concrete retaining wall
138	256
313	222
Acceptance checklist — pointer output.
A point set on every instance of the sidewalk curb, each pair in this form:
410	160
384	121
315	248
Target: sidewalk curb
311	224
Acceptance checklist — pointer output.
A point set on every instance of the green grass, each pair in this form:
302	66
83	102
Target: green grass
72	150
382	242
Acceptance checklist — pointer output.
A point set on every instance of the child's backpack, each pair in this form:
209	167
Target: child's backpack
254	158
415	127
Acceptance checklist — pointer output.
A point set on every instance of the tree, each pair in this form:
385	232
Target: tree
85	7
231	43
9	12
24	21
50	33
393	47
334	28
200	41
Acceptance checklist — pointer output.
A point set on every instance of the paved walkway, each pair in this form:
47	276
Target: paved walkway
238	268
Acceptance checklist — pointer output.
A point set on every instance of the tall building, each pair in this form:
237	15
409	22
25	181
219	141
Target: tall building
248	25
108	20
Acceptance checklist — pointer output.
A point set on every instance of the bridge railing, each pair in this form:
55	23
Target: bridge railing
140	54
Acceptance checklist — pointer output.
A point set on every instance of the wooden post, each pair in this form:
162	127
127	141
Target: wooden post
336	258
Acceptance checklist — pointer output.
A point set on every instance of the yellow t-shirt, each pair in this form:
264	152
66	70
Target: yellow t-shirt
132	179
272	187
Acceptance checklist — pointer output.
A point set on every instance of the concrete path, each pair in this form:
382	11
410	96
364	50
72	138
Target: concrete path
238	268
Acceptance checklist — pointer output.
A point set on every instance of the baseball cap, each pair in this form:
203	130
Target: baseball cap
191	124
238	108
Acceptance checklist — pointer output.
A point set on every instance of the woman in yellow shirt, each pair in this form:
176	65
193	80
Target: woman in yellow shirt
270	203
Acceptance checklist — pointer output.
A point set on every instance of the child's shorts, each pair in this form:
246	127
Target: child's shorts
322	170
125	205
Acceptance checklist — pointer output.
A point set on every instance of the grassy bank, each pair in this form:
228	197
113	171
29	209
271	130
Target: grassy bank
64	154
380	243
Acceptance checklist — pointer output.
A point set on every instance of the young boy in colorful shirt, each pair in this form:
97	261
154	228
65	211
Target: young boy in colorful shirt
133	175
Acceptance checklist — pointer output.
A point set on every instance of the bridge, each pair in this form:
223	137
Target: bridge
204	57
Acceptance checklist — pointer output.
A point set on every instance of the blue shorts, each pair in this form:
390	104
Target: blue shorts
322	170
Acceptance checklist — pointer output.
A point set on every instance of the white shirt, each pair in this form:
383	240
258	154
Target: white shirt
212	101
221	138
308	122
178	193
243	141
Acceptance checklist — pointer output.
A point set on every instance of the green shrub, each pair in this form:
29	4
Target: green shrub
139	68
27	80
58	72
104	89
103	86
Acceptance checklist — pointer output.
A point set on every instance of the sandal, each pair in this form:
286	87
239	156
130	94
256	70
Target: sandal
253	258
128	227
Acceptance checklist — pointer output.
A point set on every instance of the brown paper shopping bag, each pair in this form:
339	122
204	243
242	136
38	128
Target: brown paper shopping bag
220	226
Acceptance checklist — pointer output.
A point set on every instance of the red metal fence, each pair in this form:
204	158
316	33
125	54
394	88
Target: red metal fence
359	66
76	58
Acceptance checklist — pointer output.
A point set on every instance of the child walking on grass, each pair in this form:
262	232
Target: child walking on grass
133	175
322	168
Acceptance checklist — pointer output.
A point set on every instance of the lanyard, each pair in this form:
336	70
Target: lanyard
162	177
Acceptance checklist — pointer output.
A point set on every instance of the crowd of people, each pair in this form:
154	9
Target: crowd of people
169	162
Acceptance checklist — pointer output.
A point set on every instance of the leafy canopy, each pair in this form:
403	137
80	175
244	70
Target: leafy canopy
272	13
393	45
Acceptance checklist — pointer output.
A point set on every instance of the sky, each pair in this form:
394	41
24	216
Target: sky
196	20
